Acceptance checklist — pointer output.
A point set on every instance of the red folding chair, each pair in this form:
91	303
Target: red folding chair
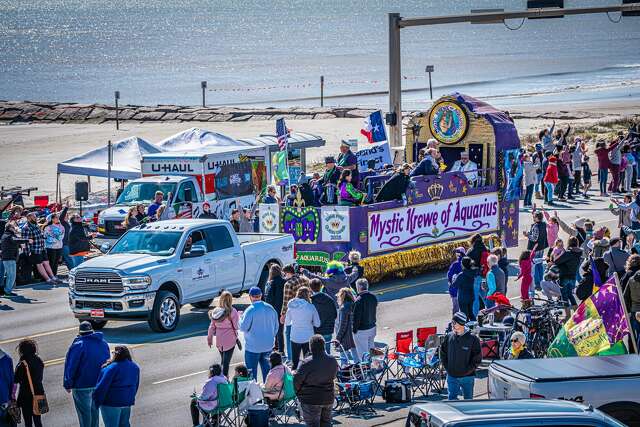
404	345
423	334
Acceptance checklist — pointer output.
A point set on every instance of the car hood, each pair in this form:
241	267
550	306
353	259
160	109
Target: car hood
115	212
127	263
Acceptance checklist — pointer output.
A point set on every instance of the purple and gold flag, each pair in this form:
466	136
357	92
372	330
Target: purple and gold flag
597	328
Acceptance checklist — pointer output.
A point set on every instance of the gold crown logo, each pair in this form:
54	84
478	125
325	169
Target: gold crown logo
435	191
335	224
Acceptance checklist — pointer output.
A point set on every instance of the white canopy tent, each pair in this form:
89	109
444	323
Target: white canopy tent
127	154
196	139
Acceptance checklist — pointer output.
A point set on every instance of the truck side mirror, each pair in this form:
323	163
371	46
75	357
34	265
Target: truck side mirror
196	251
188	197
105	247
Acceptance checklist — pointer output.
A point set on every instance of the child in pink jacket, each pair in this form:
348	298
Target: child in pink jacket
526	267
274	384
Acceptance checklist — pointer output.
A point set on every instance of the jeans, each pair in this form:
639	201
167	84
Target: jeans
316	415
476	295
455	307
67	257
225	357
85	407
297	348
635	325
577	175
538	269
77	260
253	359
454	384
9	268
603	176
327	343
280	339
31	420
566	290
287	340
115	417
628	178
528	195
365	341
564	183
549	186
467	308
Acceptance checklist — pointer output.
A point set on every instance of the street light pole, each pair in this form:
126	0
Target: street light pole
203	85
395	104
322	91
109	163
117	96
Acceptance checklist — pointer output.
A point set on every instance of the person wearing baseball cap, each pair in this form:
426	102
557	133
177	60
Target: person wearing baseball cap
259	323
86	356
461	354
326	186
206	212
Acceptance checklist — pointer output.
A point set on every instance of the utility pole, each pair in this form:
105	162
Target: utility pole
394	119
203	85
117	96
322	91
109	163
429	70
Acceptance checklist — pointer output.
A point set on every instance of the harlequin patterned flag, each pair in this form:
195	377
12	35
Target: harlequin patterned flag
597	328
280	168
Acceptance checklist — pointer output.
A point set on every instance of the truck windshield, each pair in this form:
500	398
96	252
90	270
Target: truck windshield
144	192
158	243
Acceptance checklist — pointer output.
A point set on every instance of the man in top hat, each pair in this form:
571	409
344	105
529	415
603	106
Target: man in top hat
82	365
348	160
466	166
461	354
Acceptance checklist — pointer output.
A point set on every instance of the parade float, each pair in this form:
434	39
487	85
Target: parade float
440	213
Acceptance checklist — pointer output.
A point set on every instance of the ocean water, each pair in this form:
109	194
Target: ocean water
273	52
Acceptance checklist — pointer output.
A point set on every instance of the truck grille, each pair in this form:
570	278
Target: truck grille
98	282
99	304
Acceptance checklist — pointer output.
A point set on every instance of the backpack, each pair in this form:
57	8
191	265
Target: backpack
484	266
397	391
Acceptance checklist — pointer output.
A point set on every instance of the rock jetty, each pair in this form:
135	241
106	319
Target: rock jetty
56	112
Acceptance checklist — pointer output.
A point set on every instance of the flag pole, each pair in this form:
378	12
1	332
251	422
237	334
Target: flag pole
626	313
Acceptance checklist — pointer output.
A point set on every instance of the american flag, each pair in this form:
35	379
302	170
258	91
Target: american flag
282	133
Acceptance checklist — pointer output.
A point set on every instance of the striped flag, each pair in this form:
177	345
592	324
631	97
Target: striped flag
282	133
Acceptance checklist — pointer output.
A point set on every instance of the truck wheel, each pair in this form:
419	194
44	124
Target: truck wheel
166	312
97	324
264	276
202	304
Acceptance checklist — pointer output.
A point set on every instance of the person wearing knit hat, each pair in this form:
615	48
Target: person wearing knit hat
461	354
335	278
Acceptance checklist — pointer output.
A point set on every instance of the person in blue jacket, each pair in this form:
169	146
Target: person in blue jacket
454	269
82	365
117	386
6	383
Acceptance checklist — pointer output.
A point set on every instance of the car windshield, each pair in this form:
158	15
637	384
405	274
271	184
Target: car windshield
158	243
144	192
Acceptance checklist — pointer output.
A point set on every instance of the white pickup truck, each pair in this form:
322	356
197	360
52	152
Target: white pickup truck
608	383
154	269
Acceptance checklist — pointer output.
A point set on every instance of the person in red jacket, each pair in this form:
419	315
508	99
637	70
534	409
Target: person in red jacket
551	177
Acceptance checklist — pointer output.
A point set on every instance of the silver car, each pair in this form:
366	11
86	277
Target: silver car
507	413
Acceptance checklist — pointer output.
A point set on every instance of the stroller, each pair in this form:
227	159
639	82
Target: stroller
356	387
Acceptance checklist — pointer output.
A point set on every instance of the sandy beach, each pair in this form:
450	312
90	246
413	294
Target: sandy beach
30	152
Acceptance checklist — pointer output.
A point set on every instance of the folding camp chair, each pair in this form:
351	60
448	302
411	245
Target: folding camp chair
404	345
286	407
423	334
225	412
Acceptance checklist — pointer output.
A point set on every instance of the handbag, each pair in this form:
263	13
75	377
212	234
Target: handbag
14	414
238	342
40	404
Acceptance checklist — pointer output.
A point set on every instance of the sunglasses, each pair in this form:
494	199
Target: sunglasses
514	340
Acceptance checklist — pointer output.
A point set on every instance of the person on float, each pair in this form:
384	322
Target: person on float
428	165
347	193
348	161
466	166
396	186
326	186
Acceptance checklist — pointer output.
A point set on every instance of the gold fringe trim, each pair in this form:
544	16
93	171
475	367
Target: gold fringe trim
416	261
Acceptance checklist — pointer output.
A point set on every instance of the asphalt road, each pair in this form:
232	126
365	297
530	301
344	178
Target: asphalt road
174	365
